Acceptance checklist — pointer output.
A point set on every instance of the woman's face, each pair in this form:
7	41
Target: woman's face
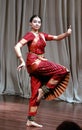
36	23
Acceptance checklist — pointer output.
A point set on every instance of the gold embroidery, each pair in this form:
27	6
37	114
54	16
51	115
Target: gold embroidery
33	109
42	36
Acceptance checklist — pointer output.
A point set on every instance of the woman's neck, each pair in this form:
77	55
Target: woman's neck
35	32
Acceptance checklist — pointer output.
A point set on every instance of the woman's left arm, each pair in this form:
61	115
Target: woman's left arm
61	36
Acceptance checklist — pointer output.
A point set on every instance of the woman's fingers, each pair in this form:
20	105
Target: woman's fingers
20	67
70	26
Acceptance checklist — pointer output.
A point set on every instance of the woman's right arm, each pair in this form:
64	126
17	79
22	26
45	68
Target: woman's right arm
17	48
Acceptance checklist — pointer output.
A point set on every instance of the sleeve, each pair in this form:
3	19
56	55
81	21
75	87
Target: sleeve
48	37
28	36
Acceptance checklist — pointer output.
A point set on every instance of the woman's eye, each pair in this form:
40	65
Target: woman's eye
35	21
39	22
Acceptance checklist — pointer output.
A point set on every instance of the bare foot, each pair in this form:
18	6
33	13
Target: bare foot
40	94
33	124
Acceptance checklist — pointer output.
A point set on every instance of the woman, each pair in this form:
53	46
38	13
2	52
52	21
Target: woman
48	80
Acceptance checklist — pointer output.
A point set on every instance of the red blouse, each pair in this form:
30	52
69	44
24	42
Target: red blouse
36	44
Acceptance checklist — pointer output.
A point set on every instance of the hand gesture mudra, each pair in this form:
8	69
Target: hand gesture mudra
69	30
22	65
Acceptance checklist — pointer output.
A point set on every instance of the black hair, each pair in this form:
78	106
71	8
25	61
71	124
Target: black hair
34	17
68	125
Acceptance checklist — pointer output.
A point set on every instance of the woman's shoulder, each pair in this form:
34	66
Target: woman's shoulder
44	34
28	35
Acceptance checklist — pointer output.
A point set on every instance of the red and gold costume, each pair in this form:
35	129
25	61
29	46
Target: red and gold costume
53	76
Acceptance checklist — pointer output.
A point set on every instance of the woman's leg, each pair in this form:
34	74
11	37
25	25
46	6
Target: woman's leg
33	104
57	85
54	87
55	78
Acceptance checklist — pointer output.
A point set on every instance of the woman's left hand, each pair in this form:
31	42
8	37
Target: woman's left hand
69	30
41	58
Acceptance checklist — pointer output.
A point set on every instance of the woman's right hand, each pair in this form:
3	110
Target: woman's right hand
22	65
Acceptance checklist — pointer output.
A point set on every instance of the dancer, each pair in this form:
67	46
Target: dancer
48	80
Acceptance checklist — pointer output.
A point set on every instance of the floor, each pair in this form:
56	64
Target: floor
13	113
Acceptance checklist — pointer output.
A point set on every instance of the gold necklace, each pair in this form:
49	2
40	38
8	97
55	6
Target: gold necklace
35	33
